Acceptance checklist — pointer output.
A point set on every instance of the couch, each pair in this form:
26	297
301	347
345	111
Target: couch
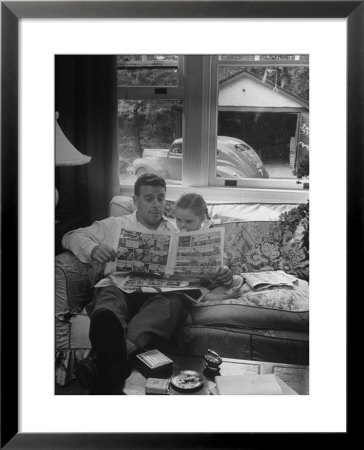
268	326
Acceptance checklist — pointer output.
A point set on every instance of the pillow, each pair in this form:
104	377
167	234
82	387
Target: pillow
239	212
260	246
281	308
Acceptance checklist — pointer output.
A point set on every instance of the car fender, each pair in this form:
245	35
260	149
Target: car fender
150	164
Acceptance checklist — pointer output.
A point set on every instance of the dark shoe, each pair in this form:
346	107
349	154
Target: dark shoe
87	372
110	381
108	343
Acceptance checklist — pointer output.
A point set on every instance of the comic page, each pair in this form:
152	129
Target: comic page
166	261
143	253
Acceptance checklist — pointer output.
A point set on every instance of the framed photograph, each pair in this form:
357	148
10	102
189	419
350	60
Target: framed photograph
32	33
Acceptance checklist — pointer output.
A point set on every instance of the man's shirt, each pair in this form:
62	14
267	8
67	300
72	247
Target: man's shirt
82	241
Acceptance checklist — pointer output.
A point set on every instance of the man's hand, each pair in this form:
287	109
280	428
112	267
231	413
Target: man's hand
102	253
224	276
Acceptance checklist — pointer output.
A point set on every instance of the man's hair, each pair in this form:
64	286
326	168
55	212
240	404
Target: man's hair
149	179
195	202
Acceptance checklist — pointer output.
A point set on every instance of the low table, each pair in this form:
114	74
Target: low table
297	377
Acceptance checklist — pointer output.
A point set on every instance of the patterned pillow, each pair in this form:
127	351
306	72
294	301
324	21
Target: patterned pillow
258	246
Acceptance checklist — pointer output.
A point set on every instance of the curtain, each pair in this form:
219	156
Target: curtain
86	99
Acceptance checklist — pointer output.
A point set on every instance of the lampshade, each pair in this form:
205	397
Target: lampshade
66	153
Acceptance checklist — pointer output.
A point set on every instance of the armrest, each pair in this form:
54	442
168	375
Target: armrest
74	281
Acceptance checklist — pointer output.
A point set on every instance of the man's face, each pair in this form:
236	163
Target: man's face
150	205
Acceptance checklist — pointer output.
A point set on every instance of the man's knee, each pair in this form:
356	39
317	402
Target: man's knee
178	305
108	291
110	298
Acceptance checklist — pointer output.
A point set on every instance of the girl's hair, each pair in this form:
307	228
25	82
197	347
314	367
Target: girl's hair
195	202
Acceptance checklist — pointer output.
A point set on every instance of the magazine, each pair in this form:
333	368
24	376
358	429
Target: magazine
268	279
183	256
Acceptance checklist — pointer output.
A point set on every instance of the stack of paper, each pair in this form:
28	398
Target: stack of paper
268	279
267	384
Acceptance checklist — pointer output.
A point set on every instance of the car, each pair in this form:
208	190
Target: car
235	159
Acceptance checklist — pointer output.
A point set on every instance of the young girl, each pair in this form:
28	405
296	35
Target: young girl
191	214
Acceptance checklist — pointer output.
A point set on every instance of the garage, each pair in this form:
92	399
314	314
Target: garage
267	117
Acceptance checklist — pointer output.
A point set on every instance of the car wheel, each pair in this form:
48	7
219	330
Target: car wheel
140	171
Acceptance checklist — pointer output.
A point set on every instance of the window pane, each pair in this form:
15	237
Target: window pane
147	129
263	57
145	58
147	70
261	110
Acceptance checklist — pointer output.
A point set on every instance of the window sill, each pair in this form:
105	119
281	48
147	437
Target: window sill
232	194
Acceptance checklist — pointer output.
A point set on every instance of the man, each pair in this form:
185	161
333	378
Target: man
125	324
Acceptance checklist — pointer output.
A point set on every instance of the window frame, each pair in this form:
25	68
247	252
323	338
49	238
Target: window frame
215	62
198	90
172	92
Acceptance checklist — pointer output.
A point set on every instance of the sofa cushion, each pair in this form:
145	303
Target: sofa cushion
283	308
290	347
74	281
259	246
246	212
222	212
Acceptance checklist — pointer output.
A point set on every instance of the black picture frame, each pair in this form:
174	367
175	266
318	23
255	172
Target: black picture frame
11	13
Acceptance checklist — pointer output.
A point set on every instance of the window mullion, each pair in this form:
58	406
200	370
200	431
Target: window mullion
196	121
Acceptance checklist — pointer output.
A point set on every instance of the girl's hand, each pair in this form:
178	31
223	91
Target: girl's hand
233	293
224	276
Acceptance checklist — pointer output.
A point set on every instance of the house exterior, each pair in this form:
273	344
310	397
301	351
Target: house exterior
244	92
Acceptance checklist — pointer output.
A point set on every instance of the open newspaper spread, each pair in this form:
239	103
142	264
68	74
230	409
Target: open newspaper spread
161	262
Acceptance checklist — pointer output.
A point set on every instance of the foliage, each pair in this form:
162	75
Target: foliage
297	221
303	168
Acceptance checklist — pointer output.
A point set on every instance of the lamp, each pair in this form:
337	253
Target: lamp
66	153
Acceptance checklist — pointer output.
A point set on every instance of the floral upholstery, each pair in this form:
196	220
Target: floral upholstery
278	308
258	246
280	298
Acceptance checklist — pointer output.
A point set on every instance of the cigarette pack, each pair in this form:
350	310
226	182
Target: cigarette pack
157	386
154	364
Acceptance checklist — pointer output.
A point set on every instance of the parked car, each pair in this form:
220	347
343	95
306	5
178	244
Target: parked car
235	159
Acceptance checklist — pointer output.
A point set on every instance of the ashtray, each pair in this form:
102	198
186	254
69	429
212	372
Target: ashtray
187	381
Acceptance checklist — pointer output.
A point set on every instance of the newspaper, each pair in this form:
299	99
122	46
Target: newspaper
188	255
268	279
160	261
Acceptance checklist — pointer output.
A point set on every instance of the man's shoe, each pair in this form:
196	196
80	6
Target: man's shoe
87	372
108	342
110	381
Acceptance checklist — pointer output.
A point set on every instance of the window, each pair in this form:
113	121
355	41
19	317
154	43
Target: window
216	121
150	111
262	106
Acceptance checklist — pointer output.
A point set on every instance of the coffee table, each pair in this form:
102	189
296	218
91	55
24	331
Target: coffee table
297	377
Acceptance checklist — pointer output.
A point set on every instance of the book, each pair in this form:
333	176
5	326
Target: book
268	279
252	384
154	364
